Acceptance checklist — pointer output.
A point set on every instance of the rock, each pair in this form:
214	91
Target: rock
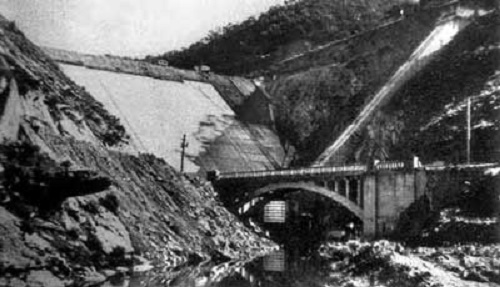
14	252
143	267
92	278
122	269
16	282
466	262
43	278
109	273
111	233
474	276
35	241
140	260
473	262
495	262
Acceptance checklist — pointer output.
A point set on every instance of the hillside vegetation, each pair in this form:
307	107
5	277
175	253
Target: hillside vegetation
256	43
468	67
313	106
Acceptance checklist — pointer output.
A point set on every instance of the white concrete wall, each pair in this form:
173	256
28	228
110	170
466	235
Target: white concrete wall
157	113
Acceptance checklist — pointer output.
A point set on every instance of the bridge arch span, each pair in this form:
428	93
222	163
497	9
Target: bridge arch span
342	200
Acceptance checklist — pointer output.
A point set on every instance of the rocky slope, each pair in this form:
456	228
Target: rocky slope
332	84
74	208
467	68
424	117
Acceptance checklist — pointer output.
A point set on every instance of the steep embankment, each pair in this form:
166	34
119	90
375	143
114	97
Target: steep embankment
425	52
320	93
159	104
467	67
56	143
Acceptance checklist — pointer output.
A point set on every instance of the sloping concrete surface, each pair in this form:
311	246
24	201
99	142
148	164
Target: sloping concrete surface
244	147
157	113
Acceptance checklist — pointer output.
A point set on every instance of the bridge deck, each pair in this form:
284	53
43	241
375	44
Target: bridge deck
346	170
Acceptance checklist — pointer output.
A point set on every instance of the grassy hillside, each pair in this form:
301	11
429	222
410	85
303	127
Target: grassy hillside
257	42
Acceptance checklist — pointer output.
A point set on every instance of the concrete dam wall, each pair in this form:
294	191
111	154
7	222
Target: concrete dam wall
157	113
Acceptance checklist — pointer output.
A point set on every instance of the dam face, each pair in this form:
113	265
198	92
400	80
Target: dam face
157	113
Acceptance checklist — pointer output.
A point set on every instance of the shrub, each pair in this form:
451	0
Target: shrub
110	202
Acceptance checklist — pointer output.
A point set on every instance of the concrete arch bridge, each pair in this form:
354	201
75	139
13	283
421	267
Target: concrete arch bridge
376	195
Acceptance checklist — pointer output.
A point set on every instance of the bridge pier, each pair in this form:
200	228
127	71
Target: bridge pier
370	207
386	195
358	192
347	188
331	185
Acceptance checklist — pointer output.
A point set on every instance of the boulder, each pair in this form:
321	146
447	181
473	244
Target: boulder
13	252
111	233
16	282
92	278
474	276
43	278
109	273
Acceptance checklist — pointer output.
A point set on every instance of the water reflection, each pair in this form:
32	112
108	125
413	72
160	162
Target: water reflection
281	268
275	262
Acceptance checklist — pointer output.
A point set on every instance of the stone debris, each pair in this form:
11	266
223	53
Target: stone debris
396	265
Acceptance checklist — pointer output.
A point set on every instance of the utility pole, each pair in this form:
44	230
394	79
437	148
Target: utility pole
184	145
468	137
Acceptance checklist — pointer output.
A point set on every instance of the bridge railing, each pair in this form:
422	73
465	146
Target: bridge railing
357	168
390	165
310	171
478	166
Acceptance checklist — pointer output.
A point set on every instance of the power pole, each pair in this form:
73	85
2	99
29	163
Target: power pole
184	145
468	137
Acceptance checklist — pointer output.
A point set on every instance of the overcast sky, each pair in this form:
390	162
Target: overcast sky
125	27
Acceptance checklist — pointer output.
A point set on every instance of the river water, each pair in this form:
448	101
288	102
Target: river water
280	268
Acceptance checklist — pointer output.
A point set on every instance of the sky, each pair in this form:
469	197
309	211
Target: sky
125	27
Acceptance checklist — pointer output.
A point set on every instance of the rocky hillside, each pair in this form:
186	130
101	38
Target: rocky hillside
315	105
74	210
468	67
320	93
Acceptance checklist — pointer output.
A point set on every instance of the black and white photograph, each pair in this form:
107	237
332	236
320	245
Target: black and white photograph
249	143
